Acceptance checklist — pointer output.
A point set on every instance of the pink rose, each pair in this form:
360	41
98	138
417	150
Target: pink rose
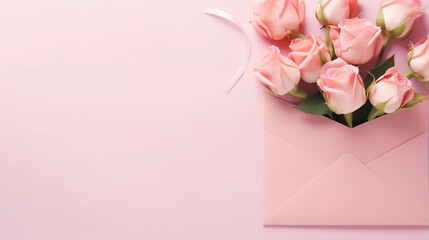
342	86
398	16
336	10
356	40
306	54
275	19
419	59
277	73
394	88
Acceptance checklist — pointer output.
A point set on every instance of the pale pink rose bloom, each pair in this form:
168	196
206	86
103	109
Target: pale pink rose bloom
342	86
306	54
419	62
277	72
357	41
395	12
336	10
276	19
393	87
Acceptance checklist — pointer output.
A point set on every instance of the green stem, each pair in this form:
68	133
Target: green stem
298	92
328	41
349	119
409	73
386	42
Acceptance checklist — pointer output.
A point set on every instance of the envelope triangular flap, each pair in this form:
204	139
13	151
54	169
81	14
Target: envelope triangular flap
346	193
328	140
405	170
284	177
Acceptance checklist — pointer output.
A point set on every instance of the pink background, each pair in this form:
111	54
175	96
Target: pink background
114	123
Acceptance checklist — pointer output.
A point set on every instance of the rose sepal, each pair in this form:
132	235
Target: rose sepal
399	30
380	19
417	98
320	15
410	54
377	110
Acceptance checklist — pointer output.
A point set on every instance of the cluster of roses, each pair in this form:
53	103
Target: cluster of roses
332	64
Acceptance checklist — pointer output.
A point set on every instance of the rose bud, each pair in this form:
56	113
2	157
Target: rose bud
356	40
331	12
276	19
391	91
397	17
418	60
342	86
279	74
309	54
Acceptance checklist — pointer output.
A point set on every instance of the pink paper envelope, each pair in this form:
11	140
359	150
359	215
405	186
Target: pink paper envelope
319	172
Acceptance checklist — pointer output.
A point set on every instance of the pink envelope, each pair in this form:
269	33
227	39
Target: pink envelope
319	172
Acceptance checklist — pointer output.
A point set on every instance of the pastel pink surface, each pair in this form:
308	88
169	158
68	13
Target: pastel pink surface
318	172
114	124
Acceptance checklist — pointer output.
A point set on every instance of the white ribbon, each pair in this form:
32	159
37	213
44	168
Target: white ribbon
237	76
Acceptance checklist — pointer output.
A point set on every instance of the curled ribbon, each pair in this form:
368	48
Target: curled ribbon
237	76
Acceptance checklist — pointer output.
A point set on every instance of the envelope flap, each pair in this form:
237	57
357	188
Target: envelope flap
346	193
407	174
286	170
328	140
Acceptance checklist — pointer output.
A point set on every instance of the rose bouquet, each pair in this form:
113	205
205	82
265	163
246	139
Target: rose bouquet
335	84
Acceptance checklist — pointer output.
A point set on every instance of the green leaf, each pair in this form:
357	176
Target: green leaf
368	89
399	30
416	99
315	104
379	71
361	115
380	19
